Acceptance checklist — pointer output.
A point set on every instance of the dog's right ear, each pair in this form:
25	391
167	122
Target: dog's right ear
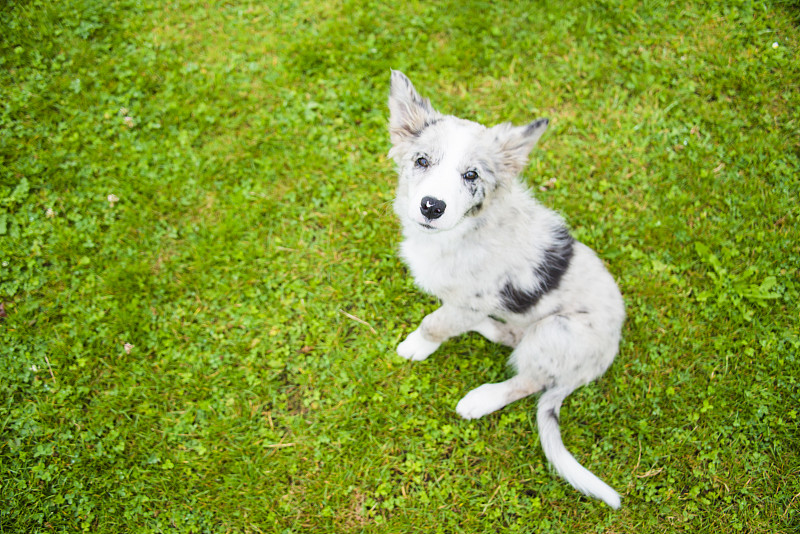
409	113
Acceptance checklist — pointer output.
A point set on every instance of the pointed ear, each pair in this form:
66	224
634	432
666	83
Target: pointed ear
516	142
409	112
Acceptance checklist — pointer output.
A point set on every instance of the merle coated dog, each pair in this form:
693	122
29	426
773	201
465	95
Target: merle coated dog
502	265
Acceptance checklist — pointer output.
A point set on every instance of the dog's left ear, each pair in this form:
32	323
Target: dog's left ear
409	112
516	142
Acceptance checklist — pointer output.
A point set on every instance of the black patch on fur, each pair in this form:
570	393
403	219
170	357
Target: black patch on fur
535	125
474	210
548	272
417	133
476	188
552	413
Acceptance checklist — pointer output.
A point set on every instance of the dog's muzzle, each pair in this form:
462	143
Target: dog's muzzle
432	208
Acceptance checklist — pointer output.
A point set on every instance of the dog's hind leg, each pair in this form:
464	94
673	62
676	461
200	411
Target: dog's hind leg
557	350
437	327
566	349
489	398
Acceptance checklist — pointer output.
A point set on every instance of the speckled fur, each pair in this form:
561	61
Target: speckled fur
502	265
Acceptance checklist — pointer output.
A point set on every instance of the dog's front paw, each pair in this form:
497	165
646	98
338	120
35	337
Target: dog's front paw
482	400
416	347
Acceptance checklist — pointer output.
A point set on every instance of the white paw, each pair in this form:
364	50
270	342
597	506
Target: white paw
416	347
482	400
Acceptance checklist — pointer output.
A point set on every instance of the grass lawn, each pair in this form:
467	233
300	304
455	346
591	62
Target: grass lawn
201	295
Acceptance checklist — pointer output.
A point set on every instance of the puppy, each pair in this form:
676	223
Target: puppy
502	265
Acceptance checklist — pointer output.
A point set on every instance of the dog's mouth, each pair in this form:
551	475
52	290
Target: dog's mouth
430	226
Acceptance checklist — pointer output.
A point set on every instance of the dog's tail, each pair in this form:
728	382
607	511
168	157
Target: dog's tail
566	465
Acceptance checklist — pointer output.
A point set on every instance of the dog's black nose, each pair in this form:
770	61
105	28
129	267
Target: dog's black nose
432	208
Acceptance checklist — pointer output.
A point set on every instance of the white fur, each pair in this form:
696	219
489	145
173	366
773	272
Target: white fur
502	265
416	347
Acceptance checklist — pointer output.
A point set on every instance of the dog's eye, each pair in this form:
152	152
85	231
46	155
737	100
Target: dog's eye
470	176
422	161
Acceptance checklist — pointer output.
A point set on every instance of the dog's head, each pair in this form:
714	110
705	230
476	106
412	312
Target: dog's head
449	167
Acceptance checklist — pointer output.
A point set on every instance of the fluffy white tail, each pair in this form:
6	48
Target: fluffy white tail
566	465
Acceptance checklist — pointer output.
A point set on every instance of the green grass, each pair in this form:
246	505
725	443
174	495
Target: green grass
250	262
